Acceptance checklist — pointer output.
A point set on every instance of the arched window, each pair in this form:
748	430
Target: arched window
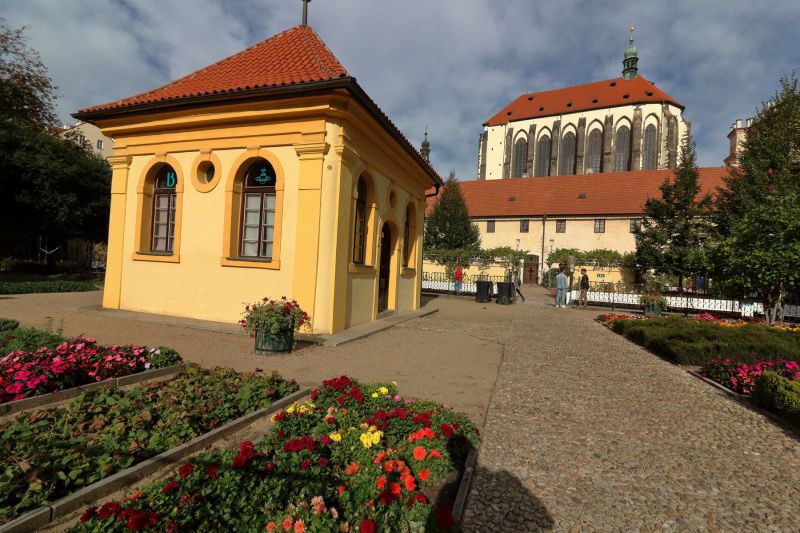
594	152
258	211
407	237
360	240
520	158
566	156
163	223
543	156
622	150
650	152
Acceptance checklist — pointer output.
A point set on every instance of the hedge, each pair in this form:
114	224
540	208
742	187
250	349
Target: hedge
779	394
60	285
692	342
8	324
28	339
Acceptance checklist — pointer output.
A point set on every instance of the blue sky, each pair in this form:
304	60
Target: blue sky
446	64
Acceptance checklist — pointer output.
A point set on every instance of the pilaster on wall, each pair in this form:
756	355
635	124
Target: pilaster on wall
482	168
636	140
608	149
672	141
554	144
507	156
350	165
112	288
309	202
531	150
581	140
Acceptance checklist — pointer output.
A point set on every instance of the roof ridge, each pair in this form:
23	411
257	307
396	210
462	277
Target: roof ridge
316	56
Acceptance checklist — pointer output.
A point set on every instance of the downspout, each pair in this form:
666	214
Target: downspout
544	220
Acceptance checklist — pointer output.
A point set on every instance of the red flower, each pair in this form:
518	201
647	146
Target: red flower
419	453
135	496
351	469
367	526
325	440
395	489
239	462
421	498
170	487
109	509
270	467
323	462
143	520
341	400
341	489
410	484
381	482
246	450
87	514
306	465
212	471
424	475
314	394
447	430
435	454
444	517
185	470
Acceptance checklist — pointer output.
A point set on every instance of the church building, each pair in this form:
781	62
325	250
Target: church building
618	125
269	173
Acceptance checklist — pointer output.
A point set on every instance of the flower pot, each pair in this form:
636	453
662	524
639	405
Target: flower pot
483	291
268	342
505	292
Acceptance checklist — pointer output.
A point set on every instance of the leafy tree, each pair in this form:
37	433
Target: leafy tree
672	237
449	226
26	91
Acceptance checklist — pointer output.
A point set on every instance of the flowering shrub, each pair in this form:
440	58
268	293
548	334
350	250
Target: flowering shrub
80	361
742	378
609	318
653	300
273	315
50	453
357	458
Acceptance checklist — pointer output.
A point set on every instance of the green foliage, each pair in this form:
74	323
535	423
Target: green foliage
50	453
601	257
672	237
653	301
28	339
454	258
8	324
693	342
449	226
779	394
27	287
275	316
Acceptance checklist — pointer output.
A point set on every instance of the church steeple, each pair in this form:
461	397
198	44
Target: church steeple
426	147
631	59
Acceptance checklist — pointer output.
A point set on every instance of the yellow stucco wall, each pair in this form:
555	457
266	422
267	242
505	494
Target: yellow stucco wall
319	146
493	271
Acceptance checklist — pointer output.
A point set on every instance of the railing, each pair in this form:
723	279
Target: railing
441	282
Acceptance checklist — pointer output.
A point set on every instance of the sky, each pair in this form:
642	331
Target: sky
447	65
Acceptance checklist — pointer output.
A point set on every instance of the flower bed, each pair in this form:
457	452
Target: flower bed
25	373
357	458
51	453
742	377
28	339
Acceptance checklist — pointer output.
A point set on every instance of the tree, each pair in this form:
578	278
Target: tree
672	237
26	91
449	226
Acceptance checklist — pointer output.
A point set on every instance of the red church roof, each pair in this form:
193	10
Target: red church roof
596	95
612	193
295	56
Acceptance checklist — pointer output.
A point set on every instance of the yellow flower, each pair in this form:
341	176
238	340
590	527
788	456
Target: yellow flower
394	383
374	394
383	390
335	436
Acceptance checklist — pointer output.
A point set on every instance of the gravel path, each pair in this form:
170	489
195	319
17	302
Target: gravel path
587	431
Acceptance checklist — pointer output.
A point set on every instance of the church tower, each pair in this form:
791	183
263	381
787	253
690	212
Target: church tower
631	59
425	151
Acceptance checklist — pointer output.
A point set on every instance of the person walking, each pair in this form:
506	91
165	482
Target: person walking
561	288
458	277
517	285
584	299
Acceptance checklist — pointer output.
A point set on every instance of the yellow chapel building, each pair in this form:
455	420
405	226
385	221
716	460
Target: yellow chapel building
269	173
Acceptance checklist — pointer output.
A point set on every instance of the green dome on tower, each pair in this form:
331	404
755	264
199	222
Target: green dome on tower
631	60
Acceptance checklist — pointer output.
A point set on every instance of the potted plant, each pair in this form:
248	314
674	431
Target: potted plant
654	303
272	323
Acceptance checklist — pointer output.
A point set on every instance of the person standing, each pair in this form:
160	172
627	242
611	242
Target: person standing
517	285
584	299
561	288
458	277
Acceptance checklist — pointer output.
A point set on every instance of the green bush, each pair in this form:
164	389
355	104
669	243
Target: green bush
693	342
27	287
8	324
28	339
779	394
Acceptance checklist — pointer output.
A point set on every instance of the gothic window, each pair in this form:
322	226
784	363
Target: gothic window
258	211
566	157
543	156
622	150
163	223
360	240
650	153
594	152
520	158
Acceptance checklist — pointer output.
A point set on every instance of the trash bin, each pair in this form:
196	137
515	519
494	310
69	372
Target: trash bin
483	291
505	292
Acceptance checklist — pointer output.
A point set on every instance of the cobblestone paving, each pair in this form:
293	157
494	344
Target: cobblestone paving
588	432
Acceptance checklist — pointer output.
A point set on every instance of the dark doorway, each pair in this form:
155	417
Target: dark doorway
530	272
385	267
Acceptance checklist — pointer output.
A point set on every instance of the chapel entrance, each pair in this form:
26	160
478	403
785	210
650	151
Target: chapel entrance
385	266
530	270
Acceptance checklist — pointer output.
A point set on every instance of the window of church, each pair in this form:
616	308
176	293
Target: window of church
650	152
599	225
561	225
594	152
258	211
622	150
520	158
163	223
360	240
543	156
566	157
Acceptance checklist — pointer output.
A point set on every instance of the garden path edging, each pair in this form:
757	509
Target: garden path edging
43	400
460	502
62	507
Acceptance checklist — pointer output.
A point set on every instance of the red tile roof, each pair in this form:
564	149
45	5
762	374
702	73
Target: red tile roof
596	95
292	57
613	193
